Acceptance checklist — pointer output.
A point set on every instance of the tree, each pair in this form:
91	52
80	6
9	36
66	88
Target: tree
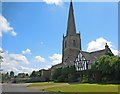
26	75
11	74
103	64
33	74
5	77
108	67
21	75
36	74
57	74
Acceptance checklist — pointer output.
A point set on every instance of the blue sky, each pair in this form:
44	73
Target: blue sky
38	29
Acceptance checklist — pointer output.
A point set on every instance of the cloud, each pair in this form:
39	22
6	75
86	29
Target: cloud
56	58
39	59
99	44
27	69
56	2
116	52
12	62
0	48
27	51
15	59
13	33
5	27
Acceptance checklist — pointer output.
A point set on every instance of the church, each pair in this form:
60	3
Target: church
72	53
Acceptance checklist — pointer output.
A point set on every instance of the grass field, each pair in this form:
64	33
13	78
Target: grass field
66	87
45	85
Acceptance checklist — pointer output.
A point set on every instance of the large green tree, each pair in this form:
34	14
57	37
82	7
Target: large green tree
108	67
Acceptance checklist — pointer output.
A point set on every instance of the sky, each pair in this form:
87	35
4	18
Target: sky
31	32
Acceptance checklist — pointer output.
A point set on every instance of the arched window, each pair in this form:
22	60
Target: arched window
74	44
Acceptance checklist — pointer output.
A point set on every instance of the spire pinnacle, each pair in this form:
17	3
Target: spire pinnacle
71	29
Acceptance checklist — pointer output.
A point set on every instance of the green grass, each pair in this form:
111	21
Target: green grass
65	87
20	83
85	88
43	84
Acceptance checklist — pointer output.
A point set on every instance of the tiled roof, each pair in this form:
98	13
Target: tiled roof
94	56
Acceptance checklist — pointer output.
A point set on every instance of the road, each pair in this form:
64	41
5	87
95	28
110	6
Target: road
21	89
17	88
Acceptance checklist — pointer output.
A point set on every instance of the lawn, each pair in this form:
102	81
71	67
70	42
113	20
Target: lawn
66	87
45	85
85	88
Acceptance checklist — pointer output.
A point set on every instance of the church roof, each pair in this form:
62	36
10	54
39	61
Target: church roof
71	29
95	55
57	66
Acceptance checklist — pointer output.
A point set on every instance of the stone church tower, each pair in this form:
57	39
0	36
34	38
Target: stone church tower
71	44
72	53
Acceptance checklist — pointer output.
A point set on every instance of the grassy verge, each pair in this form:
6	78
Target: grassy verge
85	88
45	85
20	83
65	87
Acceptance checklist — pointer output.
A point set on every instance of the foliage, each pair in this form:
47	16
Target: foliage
35	74
107	68
5	77
12	74
67	74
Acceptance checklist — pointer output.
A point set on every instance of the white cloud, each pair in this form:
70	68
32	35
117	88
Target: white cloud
0	48
12	62
39	59
5	27
13	33
116	52
27	69
18	58
27	51
56	58
99	44
47	67
56	2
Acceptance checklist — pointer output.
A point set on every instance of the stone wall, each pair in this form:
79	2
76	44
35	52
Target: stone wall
45	75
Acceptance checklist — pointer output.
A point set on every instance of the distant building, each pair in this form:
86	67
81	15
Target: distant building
72	53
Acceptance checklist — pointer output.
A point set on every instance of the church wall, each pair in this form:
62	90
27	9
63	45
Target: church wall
46	75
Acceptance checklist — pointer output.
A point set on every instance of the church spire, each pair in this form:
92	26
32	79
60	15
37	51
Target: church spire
71	29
